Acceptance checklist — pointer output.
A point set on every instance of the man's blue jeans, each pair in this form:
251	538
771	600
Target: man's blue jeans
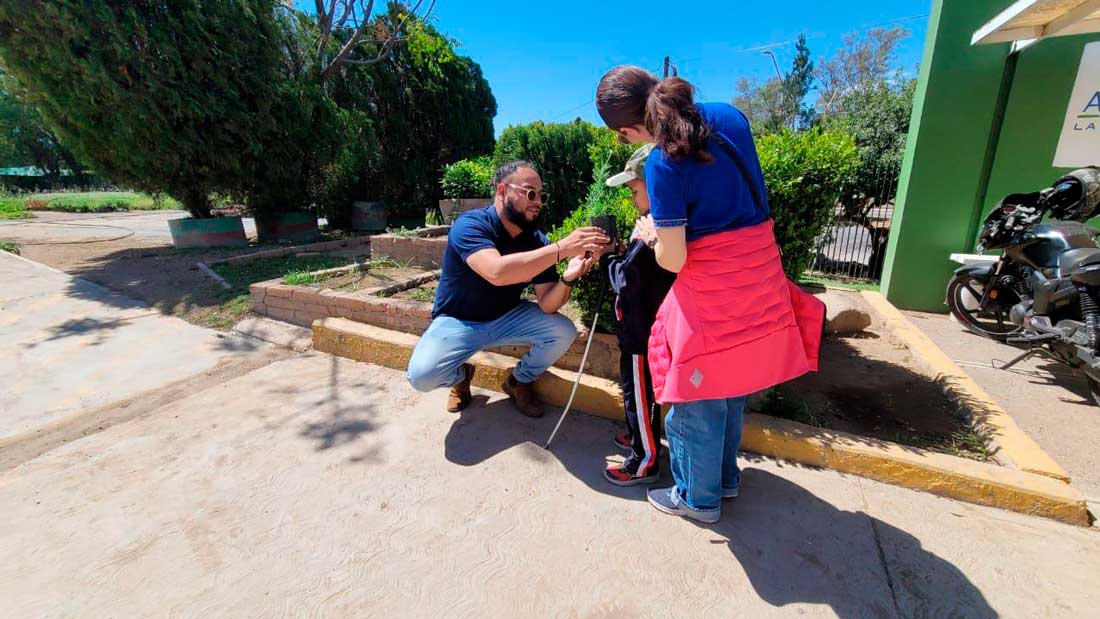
449	342
703	438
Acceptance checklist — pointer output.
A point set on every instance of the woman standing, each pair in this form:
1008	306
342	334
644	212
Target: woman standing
732	323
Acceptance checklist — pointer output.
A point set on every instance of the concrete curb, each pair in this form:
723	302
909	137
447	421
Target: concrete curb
392	349
1012	442
941	474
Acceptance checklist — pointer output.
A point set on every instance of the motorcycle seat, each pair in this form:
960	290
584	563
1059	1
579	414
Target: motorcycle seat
1079	262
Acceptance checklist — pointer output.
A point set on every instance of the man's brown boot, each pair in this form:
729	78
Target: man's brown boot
523	396
460	394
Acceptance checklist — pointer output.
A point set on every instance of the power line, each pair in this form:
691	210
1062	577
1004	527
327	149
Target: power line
576	109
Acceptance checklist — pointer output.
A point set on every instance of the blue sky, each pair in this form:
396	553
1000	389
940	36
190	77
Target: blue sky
544	59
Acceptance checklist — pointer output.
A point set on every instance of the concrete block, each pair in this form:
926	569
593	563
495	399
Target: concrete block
845	312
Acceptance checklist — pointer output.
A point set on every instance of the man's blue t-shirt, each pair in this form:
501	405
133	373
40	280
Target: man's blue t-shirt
465	295
708	197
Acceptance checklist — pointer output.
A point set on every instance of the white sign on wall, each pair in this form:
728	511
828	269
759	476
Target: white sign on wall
1080	142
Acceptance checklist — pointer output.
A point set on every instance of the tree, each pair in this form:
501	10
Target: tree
429	106
355	18
26	141
861	63
797	85
776	103
164	97
762	103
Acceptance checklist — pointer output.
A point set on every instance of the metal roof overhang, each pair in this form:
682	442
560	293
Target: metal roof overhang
1027	21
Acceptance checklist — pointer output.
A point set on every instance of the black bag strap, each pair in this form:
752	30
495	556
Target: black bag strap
739	161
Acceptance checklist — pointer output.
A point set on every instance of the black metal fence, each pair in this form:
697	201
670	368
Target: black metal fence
853	246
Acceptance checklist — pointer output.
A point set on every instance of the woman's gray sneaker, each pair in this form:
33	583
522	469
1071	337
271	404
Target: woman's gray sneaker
668	501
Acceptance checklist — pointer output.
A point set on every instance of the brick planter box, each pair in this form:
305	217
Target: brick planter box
424	250
301	305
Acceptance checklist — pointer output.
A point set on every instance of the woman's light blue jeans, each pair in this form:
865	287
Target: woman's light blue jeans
449	342
703	438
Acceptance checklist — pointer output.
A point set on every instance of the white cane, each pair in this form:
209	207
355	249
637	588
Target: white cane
580	370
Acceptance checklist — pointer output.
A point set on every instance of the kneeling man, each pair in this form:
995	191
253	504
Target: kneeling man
492	255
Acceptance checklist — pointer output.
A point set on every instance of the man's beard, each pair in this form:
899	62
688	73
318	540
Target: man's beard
517	217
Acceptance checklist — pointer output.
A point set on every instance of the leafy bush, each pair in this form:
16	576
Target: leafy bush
468	178
560	152
805	174
601	200
606	149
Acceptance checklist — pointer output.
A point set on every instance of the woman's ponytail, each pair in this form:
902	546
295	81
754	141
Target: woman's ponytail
674	122
630	95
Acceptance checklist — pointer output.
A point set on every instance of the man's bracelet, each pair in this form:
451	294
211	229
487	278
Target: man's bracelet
568	284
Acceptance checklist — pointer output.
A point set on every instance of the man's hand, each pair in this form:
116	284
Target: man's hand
579	267
582	241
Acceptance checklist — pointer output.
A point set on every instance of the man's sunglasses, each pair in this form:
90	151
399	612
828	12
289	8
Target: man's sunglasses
531	193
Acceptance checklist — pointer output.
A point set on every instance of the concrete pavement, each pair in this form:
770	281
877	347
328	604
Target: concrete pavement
56	226
1049	401
68	346
321	486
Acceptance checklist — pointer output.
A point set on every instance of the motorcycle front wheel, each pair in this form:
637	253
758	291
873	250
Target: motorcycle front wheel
964	295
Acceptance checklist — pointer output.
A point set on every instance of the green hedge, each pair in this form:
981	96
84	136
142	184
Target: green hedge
601	200
805	174
560	152
468	178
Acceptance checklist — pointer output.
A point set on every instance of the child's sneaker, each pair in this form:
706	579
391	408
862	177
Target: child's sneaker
620	476
622	440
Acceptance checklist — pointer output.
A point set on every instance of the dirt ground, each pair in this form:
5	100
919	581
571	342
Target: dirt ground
871	386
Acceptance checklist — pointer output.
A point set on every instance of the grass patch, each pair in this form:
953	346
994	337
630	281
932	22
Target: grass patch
837	283
299	277
243	275
229	312
10	247
403	232
777	405
423	294
13	208
97	201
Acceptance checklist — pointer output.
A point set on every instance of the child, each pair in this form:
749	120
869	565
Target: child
640	285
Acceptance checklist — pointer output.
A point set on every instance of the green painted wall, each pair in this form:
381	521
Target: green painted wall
948	138
940	192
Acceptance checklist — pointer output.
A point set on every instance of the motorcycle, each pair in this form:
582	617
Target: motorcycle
1043	291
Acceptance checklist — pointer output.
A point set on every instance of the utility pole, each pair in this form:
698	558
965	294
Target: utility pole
782	86
666	67
767	52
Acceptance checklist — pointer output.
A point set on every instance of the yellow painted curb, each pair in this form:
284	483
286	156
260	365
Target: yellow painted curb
1012	442
392	349
918	469
940	474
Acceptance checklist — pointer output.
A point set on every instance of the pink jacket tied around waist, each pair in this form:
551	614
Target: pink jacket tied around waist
733	323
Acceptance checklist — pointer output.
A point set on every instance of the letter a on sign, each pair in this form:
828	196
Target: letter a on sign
1079	145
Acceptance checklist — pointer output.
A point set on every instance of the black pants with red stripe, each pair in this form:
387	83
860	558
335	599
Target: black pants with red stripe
643	415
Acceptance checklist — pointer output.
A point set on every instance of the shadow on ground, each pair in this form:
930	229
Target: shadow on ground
794	547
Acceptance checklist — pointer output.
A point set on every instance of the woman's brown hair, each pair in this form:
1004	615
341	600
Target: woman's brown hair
629	95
